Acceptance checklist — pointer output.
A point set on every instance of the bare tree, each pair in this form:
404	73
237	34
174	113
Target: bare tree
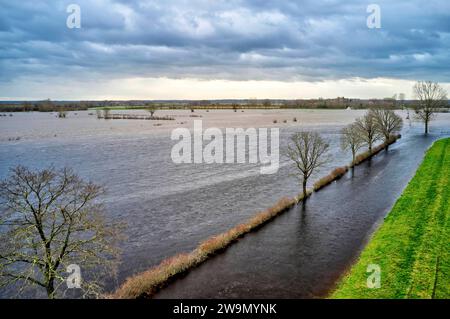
49	220
387	123
431	96
106	113
308	151
366	127
351	140
152	110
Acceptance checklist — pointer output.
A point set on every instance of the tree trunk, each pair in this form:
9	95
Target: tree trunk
50	289
304	188
426	126
386	141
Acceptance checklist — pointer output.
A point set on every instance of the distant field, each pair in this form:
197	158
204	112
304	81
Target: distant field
412	245
196	107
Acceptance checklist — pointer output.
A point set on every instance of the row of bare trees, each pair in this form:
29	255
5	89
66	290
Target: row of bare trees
375	125
309	151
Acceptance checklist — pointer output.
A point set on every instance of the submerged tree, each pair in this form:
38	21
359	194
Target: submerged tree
50	223
62	112
387	123
106	113
308	150
367	130
431	97
351	140
151	109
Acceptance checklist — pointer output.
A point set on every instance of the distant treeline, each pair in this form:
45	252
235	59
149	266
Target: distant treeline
43	106
337	103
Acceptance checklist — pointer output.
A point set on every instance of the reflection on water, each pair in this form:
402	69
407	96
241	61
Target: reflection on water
303	252
170	208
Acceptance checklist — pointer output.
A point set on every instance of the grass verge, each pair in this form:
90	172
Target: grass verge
411	246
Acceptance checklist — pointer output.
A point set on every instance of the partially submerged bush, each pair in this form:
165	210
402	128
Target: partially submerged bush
377	149
336	174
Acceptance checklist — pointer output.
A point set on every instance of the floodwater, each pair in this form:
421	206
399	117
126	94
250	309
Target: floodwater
170	208
302	253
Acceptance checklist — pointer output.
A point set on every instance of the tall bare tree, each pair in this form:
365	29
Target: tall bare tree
431	96
367	129
387	123
151	108
351	140
308	150
49	220
152	111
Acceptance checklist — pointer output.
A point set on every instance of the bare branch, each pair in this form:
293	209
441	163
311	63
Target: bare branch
50	219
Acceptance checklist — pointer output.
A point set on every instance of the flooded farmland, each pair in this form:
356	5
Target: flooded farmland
170	208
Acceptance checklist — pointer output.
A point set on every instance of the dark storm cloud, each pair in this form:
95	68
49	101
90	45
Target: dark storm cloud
281	40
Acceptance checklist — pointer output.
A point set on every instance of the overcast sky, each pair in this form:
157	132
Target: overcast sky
198	49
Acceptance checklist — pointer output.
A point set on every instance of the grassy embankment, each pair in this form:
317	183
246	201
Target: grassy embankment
412	245
147	283
338	172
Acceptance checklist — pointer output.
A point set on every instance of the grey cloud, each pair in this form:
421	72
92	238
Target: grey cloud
240	40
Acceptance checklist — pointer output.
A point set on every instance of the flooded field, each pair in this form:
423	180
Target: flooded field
302	253
169	208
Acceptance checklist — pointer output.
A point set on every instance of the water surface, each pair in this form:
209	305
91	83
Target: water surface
170	208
